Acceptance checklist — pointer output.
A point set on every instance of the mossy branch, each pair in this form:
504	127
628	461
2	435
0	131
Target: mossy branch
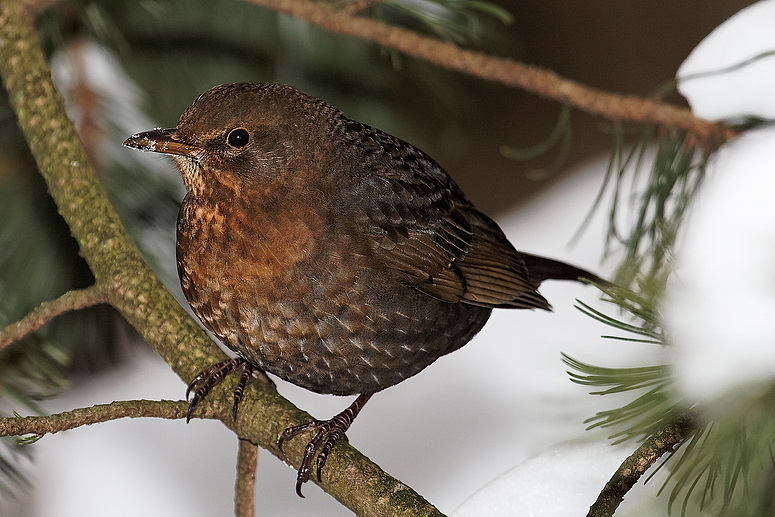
45	312
138	294
51	424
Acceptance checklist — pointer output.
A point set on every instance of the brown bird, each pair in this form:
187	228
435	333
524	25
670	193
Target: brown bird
329	253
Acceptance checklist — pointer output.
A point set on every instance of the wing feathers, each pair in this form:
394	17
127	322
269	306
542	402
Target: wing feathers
421	225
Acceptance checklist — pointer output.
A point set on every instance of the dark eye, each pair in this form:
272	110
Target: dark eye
238	138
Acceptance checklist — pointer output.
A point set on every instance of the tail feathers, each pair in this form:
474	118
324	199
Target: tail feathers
542	268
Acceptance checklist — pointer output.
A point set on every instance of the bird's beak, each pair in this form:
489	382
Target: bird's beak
163	141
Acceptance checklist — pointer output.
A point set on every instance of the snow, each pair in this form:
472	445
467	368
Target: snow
560	482
721	301
747	90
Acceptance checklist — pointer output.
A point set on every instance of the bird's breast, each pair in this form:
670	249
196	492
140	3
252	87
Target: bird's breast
237	247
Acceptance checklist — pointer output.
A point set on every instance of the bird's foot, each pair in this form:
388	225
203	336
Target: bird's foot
210	377
327	434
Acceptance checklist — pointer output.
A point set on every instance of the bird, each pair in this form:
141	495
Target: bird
329	253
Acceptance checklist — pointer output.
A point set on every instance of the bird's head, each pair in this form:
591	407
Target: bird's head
245	136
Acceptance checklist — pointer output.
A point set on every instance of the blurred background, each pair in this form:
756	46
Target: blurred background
126	66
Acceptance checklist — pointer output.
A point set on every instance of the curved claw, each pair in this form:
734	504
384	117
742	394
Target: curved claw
196	380
327	434
293	431
210	377
302	475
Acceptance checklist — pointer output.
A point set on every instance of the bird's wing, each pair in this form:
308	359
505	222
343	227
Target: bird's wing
421	225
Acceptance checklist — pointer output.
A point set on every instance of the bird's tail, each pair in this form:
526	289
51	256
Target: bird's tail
542	268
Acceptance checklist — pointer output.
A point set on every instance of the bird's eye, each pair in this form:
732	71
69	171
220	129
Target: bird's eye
238	138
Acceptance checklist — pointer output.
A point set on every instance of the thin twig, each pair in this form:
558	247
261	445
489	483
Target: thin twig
630	471
540	81
50	424
245	489
46	311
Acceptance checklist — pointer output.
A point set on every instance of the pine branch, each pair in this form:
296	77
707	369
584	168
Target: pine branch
45	312
245	489
663	441
139	295
546	83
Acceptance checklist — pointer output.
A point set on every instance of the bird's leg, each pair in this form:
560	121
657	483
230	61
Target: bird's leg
327	433
210	377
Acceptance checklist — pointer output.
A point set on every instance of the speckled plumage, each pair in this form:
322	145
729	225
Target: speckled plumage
327	252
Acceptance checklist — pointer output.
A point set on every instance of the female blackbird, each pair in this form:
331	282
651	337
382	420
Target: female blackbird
329	253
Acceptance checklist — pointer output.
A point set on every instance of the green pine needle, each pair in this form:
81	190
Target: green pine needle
560	136
463	22
618	324
28	440
644	414
728	467
12	476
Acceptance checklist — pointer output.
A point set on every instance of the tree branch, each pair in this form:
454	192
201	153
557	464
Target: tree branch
630	471
245	486
46	311
539	81
140	296
50	424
